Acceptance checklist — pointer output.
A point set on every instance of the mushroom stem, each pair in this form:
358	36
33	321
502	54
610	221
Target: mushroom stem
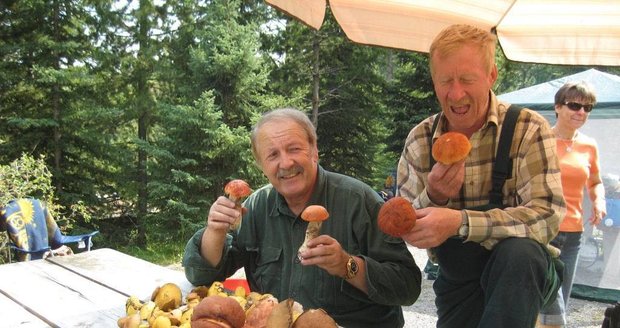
311	232
235	225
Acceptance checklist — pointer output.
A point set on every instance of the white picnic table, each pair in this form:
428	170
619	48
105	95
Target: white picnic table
83	290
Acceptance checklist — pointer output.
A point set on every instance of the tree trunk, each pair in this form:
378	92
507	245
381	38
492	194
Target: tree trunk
316	78
56	108
143	105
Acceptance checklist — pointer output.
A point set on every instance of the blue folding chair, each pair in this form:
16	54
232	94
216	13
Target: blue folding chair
33	231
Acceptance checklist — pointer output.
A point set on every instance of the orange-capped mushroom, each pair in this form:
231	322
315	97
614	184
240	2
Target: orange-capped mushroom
315	215
236	190
451	147
396	217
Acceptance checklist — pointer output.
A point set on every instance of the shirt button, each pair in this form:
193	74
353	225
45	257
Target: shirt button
293	294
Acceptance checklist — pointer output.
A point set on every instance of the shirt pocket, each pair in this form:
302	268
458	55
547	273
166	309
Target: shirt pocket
268	268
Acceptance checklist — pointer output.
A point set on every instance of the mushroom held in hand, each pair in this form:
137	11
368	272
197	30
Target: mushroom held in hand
236	190
315	215
451	147
396	217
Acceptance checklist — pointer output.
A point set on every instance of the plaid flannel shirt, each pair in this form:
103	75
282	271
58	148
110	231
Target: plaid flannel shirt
532	192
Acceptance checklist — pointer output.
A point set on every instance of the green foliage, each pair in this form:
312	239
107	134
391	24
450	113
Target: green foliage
160	251
29	177
350	109
409	96
225	62
135	118
194	155
54	99
196	148
26	177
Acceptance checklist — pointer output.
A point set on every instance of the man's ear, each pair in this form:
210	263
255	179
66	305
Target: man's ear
316	153
493	75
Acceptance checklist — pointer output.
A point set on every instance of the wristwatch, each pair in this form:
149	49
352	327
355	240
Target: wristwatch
352	268
464	229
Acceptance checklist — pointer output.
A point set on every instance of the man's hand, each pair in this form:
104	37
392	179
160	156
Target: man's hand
326	253
445	181
433	226
221	215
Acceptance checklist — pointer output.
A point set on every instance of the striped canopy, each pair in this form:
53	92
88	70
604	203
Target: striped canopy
569	32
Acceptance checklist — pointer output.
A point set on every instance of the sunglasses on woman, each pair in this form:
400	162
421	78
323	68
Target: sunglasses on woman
577	106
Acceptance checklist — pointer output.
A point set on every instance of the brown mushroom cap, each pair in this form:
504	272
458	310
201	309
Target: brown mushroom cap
215	309
283	315
396	217
315	318
451	147
315	213
237	188
257	316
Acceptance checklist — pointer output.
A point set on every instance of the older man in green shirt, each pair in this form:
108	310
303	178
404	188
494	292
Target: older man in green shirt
359	275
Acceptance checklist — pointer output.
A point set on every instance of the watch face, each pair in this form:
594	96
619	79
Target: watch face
353	265
464	231
351	268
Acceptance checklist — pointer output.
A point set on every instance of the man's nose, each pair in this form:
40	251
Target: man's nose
286	160
456	92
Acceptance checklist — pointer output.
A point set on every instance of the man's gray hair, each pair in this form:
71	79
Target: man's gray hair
284	114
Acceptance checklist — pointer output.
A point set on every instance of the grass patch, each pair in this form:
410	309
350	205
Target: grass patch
162	253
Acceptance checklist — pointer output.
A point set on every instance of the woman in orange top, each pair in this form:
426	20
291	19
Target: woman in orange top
579	165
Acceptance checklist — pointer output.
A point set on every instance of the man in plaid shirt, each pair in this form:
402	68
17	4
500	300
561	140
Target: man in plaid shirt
495	262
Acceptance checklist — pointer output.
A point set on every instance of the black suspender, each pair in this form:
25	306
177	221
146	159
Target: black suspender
502	166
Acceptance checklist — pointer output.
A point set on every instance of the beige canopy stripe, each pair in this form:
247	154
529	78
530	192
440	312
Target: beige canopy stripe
568	32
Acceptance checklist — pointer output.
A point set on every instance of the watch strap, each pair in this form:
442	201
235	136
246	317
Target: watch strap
464	229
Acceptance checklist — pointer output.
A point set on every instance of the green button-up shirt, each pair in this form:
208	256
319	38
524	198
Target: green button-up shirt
267	242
